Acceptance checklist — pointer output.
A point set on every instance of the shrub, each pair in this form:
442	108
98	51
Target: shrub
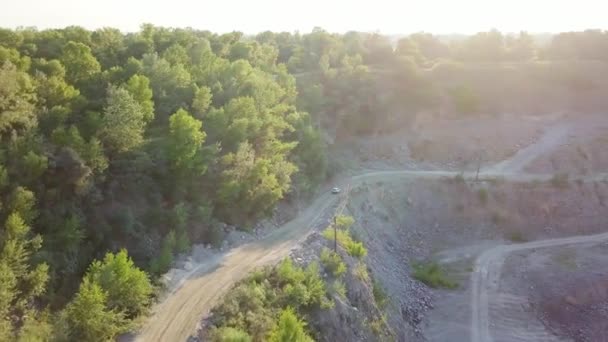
361	272
339	287
356	249
332	262
289	328
229	334
560	180
483	195
346	241
517	236
433	275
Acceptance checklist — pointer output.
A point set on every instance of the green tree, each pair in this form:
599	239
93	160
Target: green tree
17	101
89	317
128	288
123	123
202	101
23	203
289	329
79	62
139	87
185	142
20	284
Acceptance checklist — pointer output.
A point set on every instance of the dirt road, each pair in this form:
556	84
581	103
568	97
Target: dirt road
485	277
176	317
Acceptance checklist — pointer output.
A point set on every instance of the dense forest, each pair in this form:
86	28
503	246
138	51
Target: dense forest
120	150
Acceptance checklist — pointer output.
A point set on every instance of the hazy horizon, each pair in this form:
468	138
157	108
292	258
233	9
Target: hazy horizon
388	17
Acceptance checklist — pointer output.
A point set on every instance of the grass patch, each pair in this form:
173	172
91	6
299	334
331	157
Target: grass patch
560	180
433	275
332	262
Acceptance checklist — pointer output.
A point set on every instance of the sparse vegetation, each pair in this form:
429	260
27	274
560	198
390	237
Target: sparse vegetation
268	297
517	236
332	262
339	288
361	272
380	295
433	275
345	240
560	180
482	194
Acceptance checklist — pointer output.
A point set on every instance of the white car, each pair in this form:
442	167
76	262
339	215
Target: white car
335	191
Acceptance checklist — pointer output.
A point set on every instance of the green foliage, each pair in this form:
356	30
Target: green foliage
339	288
185	143
88	316
79	62
128	288
202	101
229	334
433	275
333	262
17	114
23	203
289	329
123	121
253	305
20	282
139	88
344	237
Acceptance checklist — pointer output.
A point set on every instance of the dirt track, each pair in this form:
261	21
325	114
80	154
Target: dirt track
486	274
176	317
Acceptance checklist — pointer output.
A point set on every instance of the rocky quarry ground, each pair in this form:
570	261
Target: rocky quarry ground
552	294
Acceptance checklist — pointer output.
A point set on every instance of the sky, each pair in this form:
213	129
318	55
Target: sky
252	16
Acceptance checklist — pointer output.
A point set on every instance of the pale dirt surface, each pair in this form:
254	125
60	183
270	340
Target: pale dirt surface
176	318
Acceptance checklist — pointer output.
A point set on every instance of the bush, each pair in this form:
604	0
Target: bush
345	239
361	272
483	195
289	329
229	334
560	180
339	288
433	275
356	249
517	236
332	262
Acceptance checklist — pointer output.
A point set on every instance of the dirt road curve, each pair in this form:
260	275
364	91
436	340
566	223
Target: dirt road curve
176	317
486	275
